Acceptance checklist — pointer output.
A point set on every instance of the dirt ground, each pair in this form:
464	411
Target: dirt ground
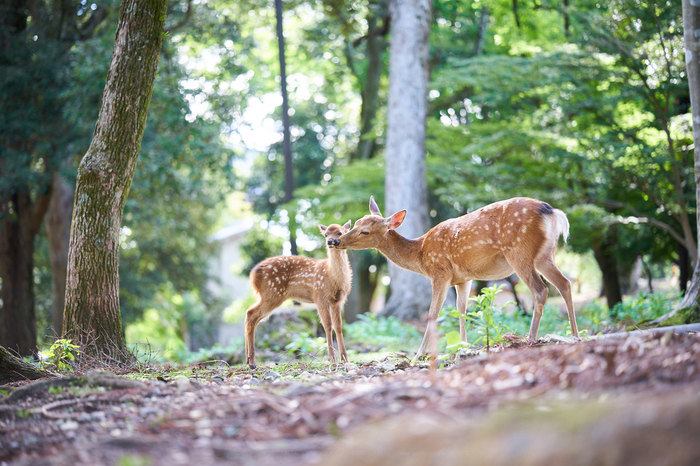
633	400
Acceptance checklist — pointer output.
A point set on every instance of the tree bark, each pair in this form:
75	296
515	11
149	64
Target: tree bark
58	219
92	316
13	369
406	184
604	255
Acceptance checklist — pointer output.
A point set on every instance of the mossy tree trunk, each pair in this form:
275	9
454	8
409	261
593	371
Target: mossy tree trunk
13	369
92	316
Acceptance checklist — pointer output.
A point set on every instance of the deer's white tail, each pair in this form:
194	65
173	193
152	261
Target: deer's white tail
562	224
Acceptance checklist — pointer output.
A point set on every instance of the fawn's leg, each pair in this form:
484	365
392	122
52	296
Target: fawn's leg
324	314
337	321
253	316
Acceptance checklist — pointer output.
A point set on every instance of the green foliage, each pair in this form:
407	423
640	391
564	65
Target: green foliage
257	245
485	321
483	317
382	333
175	319
60	354
592	319
304	343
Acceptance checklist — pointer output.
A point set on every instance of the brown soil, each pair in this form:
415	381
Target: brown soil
615	401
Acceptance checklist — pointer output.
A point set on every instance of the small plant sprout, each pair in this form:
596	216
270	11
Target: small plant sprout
483	317
59	354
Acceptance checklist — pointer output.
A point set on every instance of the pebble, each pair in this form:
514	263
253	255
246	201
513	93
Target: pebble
69	425
271	375
350	367
387	366
183	383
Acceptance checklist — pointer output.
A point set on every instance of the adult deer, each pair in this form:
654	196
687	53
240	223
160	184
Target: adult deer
325	282
518	234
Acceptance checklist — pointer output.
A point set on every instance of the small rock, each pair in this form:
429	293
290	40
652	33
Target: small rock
271	375
183	383
253	381
230	431
196	414
350	367
69	425
387	366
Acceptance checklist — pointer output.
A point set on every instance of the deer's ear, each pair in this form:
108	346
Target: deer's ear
348	224
373	208
396	220
322	228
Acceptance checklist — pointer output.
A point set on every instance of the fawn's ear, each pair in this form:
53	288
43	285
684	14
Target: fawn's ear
373	208
322	228
348	224
396	220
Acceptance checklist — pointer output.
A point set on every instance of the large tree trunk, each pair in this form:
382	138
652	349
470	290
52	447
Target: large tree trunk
58	219
18	228
92	316
406	184
689	306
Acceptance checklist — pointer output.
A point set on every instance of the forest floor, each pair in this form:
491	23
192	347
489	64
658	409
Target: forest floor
632	400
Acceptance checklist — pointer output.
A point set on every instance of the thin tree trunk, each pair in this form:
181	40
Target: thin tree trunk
92	316
18	228
406	184
608	266
58	219
483	29
370	91
690	304
360	295
287	138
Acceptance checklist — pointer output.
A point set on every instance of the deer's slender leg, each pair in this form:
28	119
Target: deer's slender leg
463	290
439	293
324	314
337	322
556	278
253	316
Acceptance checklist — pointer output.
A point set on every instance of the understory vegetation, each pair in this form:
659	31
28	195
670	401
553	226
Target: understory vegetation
296	335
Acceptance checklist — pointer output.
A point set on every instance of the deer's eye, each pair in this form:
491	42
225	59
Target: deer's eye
364	232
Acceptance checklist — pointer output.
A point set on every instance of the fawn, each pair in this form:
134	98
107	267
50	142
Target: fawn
518	234
325	282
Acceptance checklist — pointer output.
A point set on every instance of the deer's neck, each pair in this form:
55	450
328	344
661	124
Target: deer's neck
338	264
402	251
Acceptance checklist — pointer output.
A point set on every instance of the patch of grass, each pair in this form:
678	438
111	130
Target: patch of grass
592	319
382	333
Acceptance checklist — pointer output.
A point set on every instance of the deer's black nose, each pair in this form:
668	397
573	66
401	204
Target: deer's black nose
333	242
